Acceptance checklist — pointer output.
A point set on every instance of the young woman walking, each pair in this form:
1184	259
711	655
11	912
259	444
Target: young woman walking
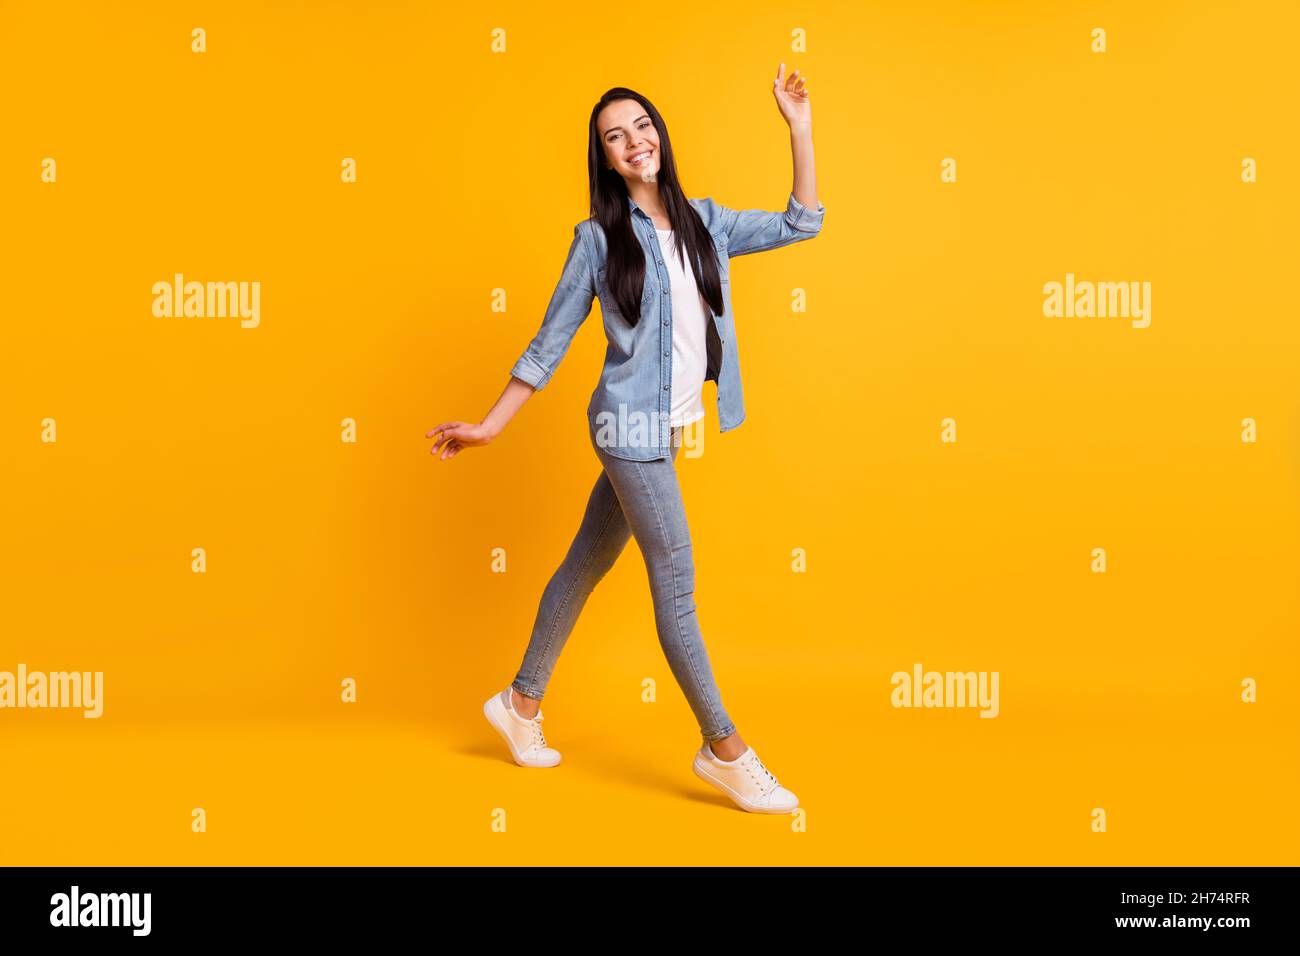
659	263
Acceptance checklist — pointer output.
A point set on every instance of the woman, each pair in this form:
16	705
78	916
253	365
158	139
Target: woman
659	264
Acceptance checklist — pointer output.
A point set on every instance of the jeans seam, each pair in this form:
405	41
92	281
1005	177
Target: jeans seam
673	566
573	583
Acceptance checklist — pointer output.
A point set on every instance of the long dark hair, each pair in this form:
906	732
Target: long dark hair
625	262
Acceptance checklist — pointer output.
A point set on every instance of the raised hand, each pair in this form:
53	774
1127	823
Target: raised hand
792	97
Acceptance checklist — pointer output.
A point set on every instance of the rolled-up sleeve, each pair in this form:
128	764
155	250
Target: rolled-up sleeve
570	305
756	230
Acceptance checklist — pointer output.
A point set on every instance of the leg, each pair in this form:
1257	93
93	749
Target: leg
652	505
600	540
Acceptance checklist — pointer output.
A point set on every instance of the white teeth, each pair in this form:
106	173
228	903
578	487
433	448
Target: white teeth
639	158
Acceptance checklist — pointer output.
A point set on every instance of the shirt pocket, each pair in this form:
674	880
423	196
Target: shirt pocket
607	304
724	260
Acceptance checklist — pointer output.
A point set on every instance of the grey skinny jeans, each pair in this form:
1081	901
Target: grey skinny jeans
640	498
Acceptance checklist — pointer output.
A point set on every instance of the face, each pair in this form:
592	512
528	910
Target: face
630	140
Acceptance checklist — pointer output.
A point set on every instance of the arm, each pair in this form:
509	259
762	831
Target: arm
512	399
569	306
756	230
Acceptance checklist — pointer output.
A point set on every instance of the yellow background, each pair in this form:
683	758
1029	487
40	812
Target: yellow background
328	560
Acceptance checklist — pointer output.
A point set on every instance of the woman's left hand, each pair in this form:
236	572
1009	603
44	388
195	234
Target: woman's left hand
792	98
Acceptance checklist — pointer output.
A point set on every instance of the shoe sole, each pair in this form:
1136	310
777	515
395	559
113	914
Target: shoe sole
492	718
739	800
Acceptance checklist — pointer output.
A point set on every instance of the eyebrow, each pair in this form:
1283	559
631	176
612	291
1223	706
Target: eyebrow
612	128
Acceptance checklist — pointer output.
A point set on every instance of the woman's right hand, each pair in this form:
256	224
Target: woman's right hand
458	435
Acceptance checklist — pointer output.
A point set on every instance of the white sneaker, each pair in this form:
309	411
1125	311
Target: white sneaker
745	780
522	735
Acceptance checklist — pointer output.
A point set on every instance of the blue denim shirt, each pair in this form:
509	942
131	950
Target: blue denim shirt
629	409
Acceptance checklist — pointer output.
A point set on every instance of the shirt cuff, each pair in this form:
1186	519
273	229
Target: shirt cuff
803	218
528	370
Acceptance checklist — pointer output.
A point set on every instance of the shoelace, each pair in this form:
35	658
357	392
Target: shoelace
539	741
765	779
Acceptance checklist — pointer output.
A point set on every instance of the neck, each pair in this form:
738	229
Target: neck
646	195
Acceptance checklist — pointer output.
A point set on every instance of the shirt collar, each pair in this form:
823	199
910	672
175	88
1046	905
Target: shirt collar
635	208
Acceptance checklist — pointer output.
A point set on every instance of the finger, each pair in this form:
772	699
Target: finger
443	427
780	75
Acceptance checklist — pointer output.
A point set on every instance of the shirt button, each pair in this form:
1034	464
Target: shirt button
667	353
665	388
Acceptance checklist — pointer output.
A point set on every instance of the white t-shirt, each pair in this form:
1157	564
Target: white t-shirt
691	315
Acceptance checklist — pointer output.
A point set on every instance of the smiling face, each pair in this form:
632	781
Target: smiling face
630	140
